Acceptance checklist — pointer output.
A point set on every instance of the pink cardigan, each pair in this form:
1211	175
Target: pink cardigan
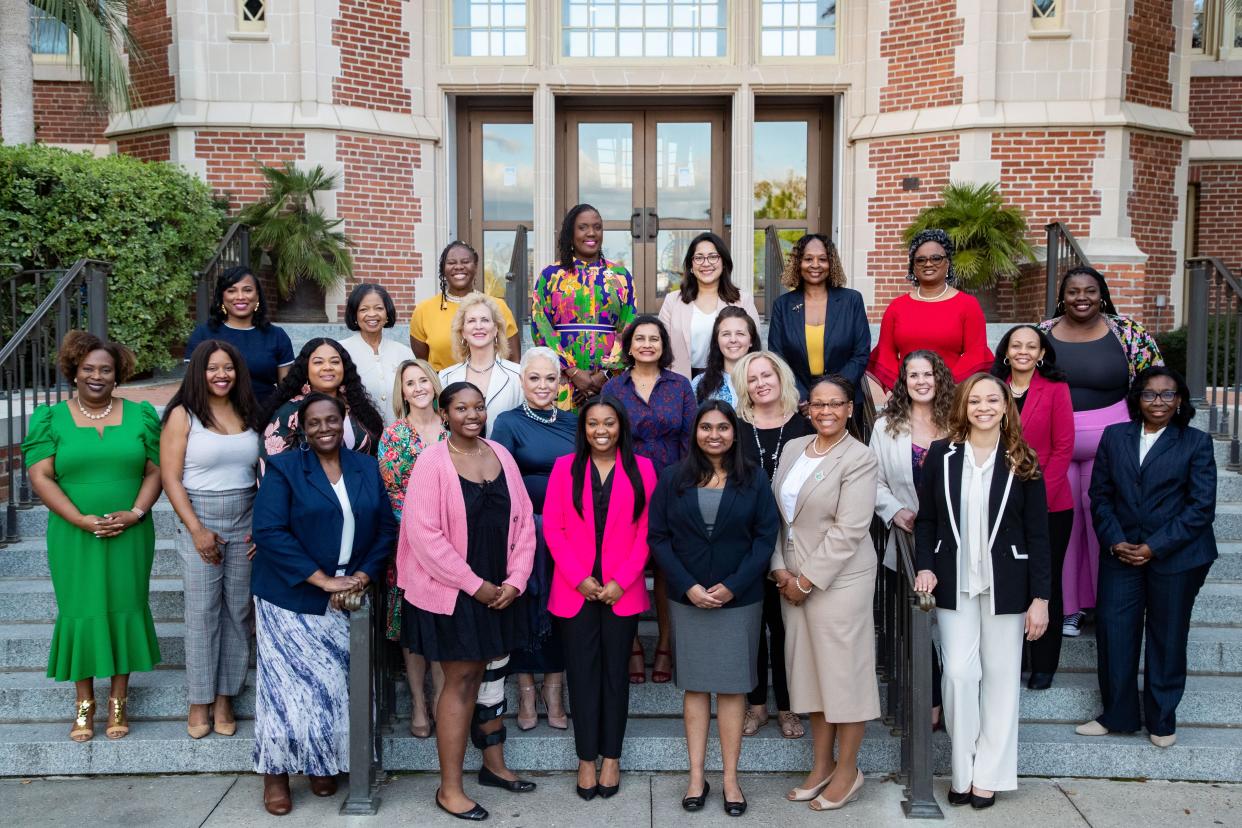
431	552
571	539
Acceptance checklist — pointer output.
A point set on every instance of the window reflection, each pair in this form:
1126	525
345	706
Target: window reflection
644	28
489	28
508	172
798	28
606	168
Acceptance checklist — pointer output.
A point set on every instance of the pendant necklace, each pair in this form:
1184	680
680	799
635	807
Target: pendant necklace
775	450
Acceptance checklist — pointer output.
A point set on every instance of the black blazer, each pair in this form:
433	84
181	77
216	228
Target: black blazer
847	336
1017	515
298	522
1169	502
737	551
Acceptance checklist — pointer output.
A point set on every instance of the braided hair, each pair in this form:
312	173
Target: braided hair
932	234
443	279
565	239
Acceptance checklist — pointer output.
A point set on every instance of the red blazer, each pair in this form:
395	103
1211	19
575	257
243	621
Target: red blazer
1048	427
571	539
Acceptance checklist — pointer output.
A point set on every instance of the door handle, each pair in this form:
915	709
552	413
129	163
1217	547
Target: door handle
637	225
652	224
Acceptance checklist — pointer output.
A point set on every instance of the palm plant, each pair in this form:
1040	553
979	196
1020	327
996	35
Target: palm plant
990	236
290	227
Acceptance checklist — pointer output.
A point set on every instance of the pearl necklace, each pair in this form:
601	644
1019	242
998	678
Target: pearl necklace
88	415
530	412
815	443
918	293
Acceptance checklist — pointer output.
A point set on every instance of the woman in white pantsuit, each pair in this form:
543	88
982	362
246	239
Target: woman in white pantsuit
981	545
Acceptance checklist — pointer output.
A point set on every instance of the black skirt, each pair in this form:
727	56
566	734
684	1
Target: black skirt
473	632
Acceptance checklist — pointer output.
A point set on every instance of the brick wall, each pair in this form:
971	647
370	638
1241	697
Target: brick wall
152	28
891	209
1220	212
1152	206
381	210
1151	40
233	159
1049	173
149	147
1216	107
919	46
373	44
67	113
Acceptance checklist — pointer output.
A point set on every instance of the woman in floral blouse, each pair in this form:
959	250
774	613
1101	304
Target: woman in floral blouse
418	425
580	306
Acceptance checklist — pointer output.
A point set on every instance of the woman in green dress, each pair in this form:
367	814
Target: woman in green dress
93	461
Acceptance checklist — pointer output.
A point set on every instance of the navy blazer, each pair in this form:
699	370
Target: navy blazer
1168	503
847	336
298	523
736	552
1017	518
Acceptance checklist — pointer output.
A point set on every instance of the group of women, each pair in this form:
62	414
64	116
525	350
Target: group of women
514	509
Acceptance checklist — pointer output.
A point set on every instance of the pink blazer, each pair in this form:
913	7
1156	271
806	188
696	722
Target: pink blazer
431	551
571	539
1048	427
676	316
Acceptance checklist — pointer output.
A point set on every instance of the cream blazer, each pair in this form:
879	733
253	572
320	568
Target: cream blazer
676	316
829	536
504	389
895	482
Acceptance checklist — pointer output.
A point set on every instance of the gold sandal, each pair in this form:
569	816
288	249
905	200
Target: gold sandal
84	723
119	728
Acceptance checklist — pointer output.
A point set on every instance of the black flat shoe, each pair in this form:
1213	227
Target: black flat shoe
587	794
734	808
608	791
491	780
1039	681
956	798
979	802
696	803
476	814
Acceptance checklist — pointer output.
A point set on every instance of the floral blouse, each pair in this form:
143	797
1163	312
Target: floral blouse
399	447
1139	346
281	433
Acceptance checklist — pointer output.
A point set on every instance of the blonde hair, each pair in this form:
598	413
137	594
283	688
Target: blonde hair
1022	458
789	386
399	406
461	352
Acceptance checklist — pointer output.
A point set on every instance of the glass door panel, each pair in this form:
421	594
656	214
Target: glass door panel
606	168
670	256
683	170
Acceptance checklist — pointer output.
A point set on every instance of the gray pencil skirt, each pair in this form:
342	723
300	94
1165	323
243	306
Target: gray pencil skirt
716	650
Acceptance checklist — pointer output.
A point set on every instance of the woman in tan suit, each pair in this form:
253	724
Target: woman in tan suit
825	568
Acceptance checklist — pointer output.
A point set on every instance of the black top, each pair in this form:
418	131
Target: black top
601	493
772	441
1020	402
1099	373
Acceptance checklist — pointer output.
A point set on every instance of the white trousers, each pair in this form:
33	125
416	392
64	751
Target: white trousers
982	683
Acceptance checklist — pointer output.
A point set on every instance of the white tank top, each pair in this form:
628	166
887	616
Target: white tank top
219	462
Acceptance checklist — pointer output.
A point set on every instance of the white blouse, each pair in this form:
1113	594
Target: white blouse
347	527
378	372
794	481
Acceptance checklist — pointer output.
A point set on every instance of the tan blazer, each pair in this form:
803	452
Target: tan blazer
676	316
832	518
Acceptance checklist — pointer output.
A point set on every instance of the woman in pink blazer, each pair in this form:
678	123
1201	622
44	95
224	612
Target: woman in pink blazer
467	546
690	313
1026	360
596	527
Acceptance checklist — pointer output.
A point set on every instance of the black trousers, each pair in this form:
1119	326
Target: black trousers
597	650
1045	654
773	653
1129	598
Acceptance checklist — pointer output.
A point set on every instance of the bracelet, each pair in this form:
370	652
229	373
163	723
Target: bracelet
138	512
798	584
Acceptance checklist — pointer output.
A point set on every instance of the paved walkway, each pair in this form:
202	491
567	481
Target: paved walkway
644	800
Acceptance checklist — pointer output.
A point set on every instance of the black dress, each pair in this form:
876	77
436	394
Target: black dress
473	632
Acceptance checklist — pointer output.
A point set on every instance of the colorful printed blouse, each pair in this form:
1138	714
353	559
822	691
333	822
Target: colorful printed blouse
662	424
1139	346
399	447
282	432
580	314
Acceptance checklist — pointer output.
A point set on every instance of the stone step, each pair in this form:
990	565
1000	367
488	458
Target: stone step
24	600
30	696
1209	650
32	522
27	646
1228	523
28	559
1218	604
1228	567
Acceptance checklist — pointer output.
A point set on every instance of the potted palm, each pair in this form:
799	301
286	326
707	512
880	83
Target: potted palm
308	254
989	235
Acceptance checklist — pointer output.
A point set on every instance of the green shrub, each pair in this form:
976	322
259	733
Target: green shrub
154	222
1173	346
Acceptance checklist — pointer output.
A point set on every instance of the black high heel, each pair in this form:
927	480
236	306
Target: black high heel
587	794
608	791
696	803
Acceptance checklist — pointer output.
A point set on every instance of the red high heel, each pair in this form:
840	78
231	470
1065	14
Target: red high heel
662	676
639	676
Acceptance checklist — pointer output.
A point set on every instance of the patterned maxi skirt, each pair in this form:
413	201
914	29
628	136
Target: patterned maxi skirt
302	692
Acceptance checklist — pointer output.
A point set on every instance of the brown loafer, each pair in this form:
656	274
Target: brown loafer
322	785
276	798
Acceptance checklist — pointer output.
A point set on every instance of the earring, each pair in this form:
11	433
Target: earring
256	307
306	389
224	309
304	446
1006	360
1039	363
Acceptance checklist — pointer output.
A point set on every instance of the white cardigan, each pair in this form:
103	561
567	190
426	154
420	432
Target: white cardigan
895	481
378	372
504	389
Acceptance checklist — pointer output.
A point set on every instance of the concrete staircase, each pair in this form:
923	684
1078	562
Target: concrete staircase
35	712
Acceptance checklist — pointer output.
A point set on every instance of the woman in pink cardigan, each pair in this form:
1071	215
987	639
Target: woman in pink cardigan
595	524
466	549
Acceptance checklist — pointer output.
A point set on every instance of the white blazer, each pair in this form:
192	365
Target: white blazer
504	389
894	483
676	316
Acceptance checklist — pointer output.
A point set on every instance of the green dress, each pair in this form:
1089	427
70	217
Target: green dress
103	623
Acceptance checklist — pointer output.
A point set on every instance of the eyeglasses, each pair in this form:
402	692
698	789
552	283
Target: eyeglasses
835	405
1164	396
924	261
705	258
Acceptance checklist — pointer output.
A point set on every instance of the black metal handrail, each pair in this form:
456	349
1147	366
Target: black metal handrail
517	279
1063	255
1214	348
370	702
75	298
233	250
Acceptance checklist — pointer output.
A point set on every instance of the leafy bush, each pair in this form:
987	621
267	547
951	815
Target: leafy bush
1173	346
154	222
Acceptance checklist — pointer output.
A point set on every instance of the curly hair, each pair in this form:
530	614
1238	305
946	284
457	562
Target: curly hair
792	275
194	395
443	279
1022	458
461	351
227	279
897	410
931	234
77	344
357	401
714	374
565	239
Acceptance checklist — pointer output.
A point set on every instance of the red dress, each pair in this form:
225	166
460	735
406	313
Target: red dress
955	329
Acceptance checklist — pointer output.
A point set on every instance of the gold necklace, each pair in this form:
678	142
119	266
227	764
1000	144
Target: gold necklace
452	447
815	444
